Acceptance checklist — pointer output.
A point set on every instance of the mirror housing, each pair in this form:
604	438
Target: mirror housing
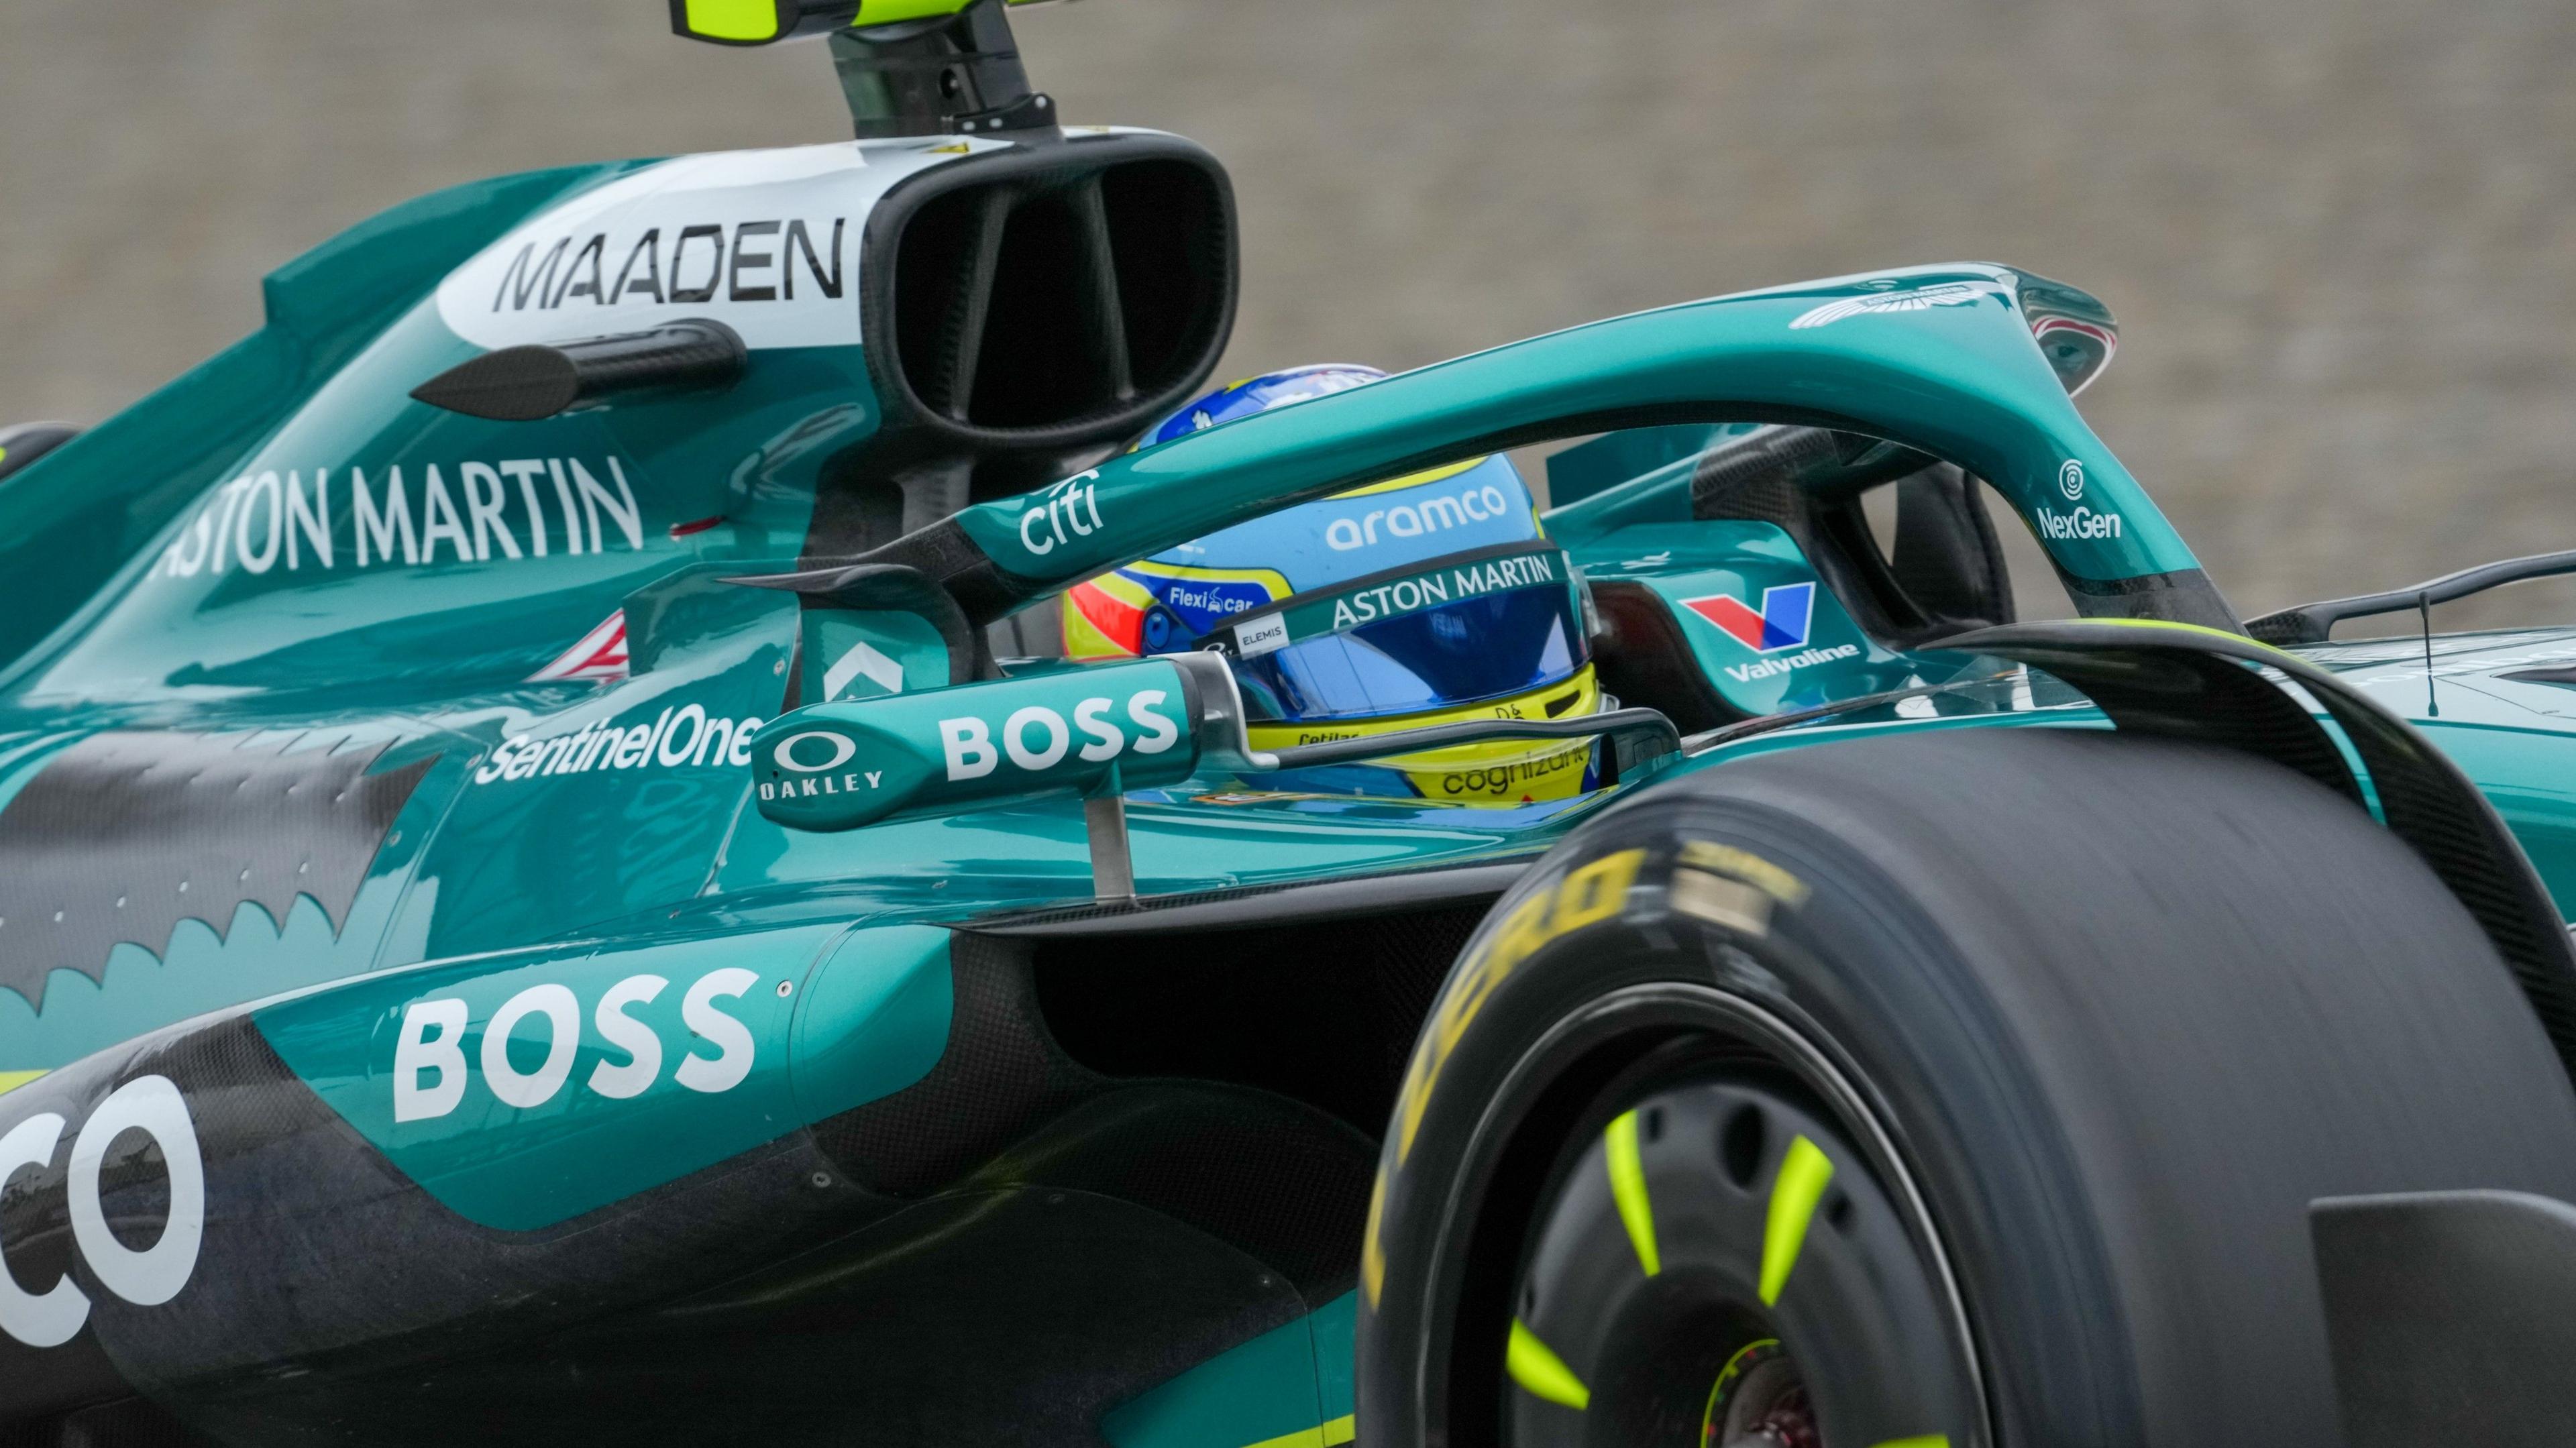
1093	732
1089	731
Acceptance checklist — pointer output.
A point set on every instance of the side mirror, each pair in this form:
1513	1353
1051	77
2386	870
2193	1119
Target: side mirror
1079	732
1092	732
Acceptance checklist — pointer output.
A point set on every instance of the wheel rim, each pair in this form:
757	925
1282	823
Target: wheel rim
1852	1367
1760	1401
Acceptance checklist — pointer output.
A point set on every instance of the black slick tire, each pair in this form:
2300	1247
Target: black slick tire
2084	1020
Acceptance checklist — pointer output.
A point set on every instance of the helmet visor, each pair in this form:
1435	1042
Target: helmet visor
1463	630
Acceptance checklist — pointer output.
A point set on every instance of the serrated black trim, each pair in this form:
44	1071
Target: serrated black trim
123	835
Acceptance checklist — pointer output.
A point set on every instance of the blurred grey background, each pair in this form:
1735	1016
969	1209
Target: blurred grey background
2340	234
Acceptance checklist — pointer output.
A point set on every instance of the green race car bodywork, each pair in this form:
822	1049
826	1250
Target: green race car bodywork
466	953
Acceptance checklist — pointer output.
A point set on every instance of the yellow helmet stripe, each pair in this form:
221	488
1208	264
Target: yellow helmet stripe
1547	702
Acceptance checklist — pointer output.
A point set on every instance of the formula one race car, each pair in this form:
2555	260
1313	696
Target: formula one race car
694	802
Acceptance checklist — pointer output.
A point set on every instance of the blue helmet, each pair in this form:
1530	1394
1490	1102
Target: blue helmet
1446	602
1260	394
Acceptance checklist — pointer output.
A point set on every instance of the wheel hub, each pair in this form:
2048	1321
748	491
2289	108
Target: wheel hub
1760	1401
1715	1267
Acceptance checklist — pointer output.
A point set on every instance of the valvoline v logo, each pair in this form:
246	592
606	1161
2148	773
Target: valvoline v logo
1787	610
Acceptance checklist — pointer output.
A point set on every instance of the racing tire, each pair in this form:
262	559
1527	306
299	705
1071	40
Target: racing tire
1952	1088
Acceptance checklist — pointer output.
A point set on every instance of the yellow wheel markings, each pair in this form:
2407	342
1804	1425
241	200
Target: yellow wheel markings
1323	1435
1794	1194
1928	1440
1539	1371
1628	1189
12	1080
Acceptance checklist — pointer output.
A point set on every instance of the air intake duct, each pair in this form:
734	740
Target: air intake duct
1049	297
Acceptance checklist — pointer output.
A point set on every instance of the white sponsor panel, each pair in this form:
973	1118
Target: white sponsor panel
766	242
1261	636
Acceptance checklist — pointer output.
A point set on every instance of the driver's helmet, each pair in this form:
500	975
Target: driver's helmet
1424	600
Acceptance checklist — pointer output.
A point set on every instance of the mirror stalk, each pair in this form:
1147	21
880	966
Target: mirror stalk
1104	826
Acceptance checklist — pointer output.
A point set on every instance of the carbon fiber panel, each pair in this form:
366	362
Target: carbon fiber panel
124	835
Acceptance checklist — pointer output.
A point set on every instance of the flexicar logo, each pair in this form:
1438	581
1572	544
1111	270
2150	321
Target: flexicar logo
1784	622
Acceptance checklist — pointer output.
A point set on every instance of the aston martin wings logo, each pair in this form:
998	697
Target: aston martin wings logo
599	656
1910	299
